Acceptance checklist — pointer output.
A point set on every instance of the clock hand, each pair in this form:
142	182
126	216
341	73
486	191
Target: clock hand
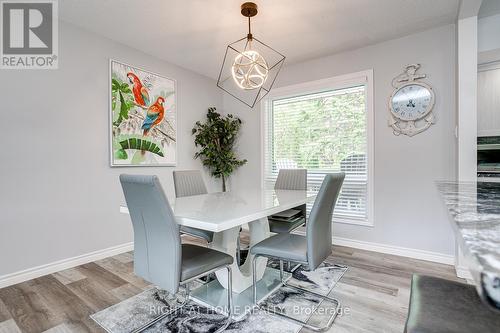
407	97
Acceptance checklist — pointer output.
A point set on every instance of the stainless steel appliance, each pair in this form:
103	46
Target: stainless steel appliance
488	157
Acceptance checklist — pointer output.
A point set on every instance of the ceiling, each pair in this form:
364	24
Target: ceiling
489	7
194	33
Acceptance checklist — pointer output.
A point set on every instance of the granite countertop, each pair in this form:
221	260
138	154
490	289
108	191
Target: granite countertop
475	212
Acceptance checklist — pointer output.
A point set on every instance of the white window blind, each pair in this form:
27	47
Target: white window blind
324	132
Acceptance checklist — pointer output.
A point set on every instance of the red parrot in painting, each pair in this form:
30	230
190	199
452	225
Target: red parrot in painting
154	115
141	94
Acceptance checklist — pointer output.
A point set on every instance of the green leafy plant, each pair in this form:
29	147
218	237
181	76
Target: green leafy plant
141	144
216	139
121	91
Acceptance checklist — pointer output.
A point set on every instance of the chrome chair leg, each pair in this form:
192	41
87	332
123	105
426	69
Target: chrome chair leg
281	271
254	279
291	319
327	326
229	301
238	250
186	299
230	291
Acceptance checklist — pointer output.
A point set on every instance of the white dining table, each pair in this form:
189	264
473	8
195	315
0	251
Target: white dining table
225	213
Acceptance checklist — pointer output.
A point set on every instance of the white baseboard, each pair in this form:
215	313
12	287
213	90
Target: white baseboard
35	272
392	249
396	250
463	272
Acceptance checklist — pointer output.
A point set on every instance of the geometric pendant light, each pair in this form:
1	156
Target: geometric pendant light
250	67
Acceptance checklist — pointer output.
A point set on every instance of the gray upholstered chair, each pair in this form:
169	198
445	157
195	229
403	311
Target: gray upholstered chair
188	183
159	256
311	249
438	305
290	179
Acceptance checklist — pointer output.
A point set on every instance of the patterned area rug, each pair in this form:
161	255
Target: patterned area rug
134	312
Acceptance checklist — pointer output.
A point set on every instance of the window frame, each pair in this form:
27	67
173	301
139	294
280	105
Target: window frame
337	82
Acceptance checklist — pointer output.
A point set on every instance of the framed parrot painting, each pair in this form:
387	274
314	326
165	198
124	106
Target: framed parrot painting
143	117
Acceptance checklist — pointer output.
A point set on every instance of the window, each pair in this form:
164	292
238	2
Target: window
324	126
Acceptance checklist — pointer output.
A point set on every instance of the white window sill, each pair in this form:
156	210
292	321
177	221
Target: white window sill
343	220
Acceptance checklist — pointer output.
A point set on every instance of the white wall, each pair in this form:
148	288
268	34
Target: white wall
467	37
408	210
488	29
58	196
487	39
467	60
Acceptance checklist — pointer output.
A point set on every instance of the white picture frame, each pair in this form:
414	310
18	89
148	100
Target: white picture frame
144	133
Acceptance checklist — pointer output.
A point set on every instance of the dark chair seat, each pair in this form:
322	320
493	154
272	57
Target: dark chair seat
287	246
281	227
440	306
197	260
206	235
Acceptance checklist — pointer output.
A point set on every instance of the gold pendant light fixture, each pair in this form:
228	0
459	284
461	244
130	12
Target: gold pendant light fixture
250	67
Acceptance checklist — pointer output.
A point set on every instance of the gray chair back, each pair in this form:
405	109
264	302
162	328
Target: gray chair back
157	241
189	182
319	225
291	179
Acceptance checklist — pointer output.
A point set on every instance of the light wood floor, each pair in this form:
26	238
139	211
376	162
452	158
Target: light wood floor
374	292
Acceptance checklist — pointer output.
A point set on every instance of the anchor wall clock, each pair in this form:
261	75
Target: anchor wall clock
411	103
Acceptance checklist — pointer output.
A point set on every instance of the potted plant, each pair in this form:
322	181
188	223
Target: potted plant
216	138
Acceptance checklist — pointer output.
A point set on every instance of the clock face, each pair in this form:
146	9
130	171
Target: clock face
412	101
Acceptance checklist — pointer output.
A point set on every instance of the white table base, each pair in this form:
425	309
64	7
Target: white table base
226	241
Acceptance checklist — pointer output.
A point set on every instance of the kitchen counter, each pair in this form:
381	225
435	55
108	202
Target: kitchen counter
474	209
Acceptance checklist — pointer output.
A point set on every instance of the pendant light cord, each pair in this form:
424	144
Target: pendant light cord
249	30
